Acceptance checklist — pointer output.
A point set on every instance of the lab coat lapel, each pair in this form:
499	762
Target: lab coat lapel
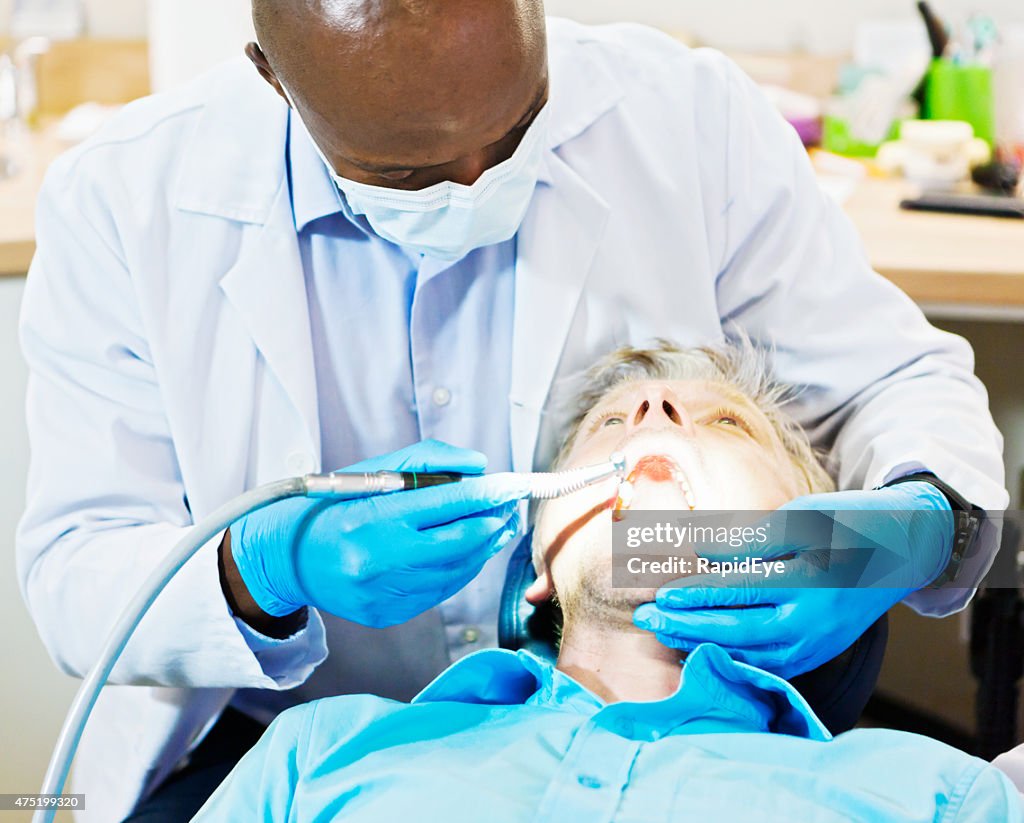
249	186
556	247
267	287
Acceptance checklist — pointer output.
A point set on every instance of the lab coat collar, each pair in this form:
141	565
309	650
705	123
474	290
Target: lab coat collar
234	164
267	288
247	182
556	247
237	158
712	687
581	87
559	239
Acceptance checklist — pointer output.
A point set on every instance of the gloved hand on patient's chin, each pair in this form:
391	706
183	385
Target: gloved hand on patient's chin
379	561
795	622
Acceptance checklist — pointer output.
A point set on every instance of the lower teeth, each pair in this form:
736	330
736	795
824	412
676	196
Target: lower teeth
625	497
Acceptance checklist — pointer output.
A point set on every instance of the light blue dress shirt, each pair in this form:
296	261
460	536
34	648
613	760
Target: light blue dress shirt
504	736
436	365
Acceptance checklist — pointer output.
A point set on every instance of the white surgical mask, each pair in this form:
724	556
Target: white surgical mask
448	220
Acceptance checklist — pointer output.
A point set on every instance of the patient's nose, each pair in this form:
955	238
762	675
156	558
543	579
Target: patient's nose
660	407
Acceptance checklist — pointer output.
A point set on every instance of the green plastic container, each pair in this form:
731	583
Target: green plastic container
836	138
962	93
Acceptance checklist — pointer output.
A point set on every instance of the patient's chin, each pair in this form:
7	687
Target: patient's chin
593	599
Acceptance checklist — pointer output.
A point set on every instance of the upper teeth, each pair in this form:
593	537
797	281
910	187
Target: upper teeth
627	490
687	491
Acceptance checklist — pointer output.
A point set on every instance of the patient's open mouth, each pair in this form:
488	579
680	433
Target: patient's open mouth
658	468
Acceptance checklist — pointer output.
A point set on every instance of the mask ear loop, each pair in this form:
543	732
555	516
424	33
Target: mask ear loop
287	96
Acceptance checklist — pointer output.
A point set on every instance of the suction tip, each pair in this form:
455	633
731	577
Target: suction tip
618	459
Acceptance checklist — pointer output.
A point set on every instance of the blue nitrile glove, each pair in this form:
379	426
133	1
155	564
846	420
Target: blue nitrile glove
379	561
794	623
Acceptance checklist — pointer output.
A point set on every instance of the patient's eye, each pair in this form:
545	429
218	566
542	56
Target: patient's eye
727	417
608	419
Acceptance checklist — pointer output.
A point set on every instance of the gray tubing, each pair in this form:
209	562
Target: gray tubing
89	691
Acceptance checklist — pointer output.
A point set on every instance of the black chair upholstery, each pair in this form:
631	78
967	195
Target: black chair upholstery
997	648
838	691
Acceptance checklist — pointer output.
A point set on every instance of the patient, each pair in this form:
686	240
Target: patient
620	729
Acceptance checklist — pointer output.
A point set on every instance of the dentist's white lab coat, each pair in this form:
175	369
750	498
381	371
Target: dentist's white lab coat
165	323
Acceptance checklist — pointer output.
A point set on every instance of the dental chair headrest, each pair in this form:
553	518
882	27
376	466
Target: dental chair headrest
520	625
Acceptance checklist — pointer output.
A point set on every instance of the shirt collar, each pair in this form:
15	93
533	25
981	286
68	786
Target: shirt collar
767	701
496	676
314	194
712	687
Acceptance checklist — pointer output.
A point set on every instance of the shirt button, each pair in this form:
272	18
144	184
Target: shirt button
300	463
470	635
625	728
588	781
441	396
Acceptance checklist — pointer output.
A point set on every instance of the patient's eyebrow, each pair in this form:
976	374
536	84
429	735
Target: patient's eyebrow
717	391
723	393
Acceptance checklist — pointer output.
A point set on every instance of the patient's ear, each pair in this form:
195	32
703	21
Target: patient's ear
541	590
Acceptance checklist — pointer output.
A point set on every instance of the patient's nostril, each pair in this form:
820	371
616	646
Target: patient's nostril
670	410
639	416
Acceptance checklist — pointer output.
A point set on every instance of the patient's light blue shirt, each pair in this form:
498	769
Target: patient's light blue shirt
504	736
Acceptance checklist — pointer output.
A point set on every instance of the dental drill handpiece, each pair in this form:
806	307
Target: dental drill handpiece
543	485
549	485
352	485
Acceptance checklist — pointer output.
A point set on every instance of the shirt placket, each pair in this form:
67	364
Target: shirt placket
592	777
434	392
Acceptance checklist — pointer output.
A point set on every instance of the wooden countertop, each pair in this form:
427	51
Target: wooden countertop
940	258
935	258
68	72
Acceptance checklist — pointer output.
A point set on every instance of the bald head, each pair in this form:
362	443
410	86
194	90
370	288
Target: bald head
406	93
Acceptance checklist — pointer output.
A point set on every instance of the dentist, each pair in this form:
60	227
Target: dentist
420	225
